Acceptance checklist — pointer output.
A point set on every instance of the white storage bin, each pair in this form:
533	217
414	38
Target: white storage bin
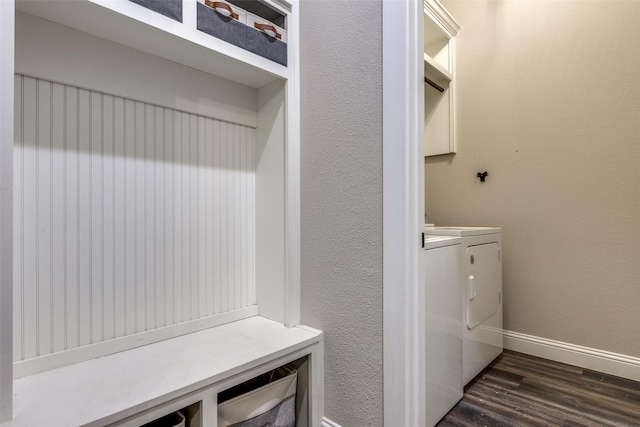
175	419
244	29
269	399
224	21
169	8
266	39
227	10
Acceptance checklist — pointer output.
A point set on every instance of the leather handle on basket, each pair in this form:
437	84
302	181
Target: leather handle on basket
221	5
267	27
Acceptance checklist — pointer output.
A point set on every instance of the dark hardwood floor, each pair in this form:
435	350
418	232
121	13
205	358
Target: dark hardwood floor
522	390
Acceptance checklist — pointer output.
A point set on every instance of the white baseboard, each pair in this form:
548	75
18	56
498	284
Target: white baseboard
590	358
326	422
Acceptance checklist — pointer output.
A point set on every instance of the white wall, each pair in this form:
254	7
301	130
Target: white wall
341	200
548	104
124	174
117	204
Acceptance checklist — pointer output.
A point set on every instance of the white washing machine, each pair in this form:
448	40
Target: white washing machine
443	326
481	289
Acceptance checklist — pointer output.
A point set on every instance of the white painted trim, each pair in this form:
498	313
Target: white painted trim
315	388
326	422
403	219
292	178
590	358
191	47
282	6
271	219
56	360
442	17
453	138
7	23
316	378
310	329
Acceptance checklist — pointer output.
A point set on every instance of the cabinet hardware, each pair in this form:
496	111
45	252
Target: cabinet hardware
222	8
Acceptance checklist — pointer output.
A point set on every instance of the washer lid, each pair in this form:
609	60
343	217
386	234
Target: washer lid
461	231
432	242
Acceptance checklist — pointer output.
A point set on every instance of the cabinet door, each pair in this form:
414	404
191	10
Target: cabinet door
483	283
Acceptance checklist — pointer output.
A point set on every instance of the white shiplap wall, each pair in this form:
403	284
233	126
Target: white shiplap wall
128	217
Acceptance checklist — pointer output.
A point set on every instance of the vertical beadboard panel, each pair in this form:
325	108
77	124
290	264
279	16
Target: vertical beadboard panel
242	247
96	216
201	214
235	173
43	216
253	212
28	194
119	215
216	205
225	135
18	280
242	223
177	218
70	226
169	222
200	246
159	216
58	282
251	220
192	170
208	214
149	215
244	227
230	143
139	259
84	217
108	223
128	217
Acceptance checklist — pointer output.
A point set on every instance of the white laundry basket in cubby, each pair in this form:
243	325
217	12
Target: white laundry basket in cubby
269	399
175	419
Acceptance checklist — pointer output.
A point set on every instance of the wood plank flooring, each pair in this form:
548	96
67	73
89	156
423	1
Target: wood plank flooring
522	390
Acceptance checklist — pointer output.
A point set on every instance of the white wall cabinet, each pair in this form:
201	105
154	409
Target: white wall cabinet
155	215
440	30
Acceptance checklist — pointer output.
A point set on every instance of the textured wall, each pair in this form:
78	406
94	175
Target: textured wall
341	174
548	103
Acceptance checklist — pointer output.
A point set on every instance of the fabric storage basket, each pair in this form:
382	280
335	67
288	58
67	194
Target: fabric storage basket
224	21
175	419
267	400
266	39
169	8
